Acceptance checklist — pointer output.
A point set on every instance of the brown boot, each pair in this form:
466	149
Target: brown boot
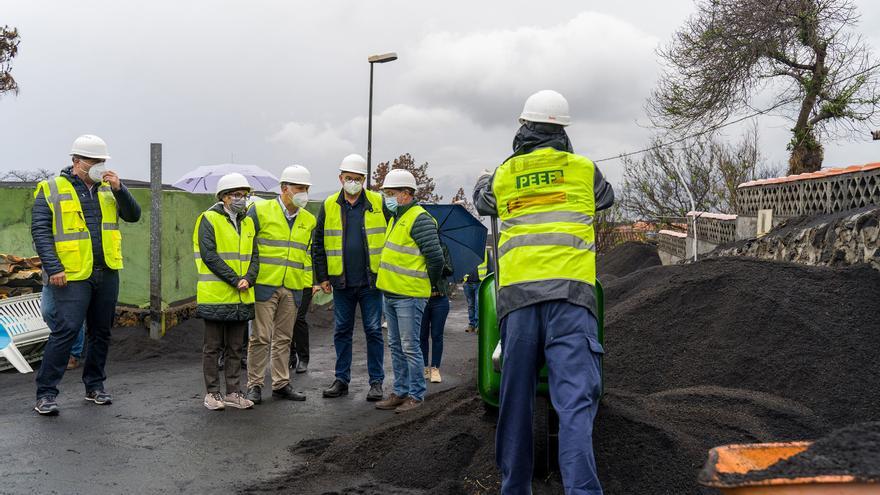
392	402
72	363
408	405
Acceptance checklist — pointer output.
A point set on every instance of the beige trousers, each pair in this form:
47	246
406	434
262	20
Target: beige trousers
271	335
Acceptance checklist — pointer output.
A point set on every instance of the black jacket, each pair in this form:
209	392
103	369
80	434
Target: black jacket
208	252
41	221
319	255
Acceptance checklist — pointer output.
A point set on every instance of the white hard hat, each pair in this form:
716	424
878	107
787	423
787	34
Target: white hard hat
296	174
354	163
399	178
90	146
231	182
546	106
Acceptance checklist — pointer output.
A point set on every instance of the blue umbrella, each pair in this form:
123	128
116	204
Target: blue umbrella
464	236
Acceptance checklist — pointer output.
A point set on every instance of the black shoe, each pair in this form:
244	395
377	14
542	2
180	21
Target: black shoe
47	406
287	392
338	389
254	394
99	397
302	366
375	393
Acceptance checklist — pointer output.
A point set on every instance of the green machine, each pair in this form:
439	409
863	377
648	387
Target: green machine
545	423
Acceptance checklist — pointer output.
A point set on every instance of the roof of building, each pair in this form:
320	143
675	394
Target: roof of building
825	172
715	216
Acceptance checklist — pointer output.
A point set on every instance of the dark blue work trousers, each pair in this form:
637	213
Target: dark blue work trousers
565	336
345	302
92	301
433	323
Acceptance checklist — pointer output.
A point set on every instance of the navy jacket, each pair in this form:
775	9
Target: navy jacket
319	255
41	221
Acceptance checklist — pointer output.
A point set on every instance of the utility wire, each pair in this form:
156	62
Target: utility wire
724	124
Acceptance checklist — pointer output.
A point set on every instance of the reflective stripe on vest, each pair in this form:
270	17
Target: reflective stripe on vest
546	206
284	250
73	243
374	223
402	269
483	268
233	248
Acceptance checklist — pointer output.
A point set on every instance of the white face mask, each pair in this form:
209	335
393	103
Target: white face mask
96	173
301	199
352	187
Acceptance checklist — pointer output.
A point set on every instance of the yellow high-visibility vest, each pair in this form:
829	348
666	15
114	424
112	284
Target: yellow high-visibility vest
402	269
73	243
235	249
483	268
374	223
284	250
546	205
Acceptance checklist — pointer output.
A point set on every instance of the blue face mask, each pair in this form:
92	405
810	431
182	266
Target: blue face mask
391	203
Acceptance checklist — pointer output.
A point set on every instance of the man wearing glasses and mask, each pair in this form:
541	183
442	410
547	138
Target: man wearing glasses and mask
346	249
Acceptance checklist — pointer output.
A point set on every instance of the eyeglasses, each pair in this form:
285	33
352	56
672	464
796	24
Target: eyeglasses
238	195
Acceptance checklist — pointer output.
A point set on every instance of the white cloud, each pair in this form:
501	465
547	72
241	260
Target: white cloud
603	65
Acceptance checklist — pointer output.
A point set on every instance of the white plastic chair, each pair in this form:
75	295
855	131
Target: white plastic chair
22	325
10	352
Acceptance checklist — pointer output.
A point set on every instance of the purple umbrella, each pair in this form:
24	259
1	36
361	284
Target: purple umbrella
204	179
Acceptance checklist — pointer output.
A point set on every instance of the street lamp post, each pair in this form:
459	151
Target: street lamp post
374	59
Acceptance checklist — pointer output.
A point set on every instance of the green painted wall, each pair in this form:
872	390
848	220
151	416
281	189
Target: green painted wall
179	212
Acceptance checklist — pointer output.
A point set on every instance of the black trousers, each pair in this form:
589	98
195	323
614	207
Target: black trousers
300	342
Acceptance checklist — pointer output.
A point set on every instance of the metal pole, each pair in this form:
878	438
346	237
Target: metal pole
370	129
693	208
157	316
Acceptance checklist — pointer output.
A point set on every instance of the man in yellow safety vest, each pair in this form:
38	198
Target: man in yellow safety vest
546	198
471	292
227	263
284	235
347	245
410	272
75	228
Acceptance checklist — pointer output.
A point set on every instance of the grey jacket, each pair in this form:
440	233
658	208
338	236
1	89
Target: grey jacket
208	252
519	296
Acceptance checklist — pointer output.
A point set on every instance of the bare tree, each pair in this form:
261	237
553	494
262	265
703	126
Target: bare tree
27	175
651	184
425	191
712	170
821	76
462	199
737	164
9	40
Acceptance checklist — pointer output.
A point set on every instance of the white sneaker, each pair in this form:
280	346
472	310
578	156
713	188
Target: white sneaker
427	373
214	401
237	401
435	375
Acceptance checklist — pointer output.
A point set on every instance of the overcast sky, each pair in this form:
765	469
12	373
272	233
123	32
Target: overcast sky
283	82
